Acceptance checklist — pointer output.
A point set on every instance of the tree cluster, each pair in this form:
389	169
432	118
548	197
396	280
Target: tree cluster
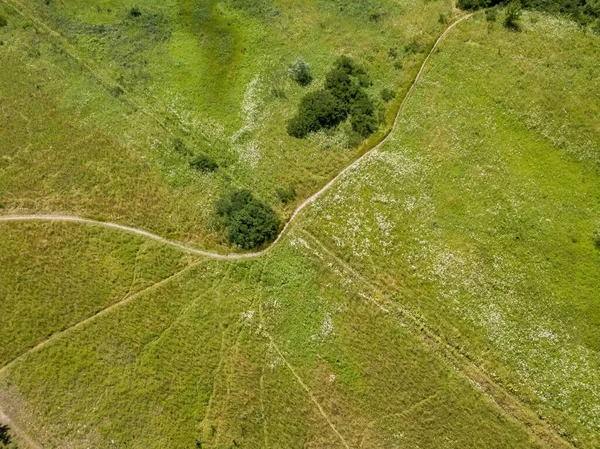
343	96
248	222
584	12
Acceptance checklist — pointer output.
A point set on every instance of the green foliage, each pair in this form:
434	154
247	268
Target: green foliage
414	47
471	5
6	441
387	94
4	435
491	14
363	120
3	21
443	19
596	239
248	222
204	163
134	11
286	194
317	110
512	15
301	72
349	66
343	95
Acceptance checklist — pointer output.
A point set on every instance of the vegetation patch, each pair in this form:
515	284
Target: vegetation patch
204	163
248	222
6	441
343	96
584	12
300	71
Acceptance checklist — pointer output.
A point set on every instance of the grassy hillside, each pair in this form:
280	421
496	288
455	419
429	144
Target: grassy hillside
444	294
57	275
480	214
281	352
131	95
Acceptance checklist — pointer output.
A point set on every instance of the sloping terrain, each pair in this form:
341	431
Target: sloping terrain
442	293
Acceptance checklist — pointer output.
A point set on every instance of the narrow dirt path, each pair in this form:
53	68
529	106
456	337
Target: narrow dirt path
299	209
209	254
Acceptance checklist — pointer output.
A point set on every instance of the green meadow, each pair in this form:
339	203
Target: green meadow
444	293
129	100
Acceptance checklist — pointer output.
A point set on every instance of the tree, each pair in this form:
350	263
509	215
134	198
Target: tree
317	110
513	14
301	72
248	222
343	95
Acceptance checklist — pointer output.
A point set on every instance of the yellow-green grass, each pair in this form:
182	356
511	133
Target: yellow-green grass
277	352
479	214
54	276
205	71
67	145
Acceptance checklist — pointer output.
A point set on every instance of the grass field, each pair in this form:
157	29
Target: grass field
277	352
480	213
129	101
58	275
443	294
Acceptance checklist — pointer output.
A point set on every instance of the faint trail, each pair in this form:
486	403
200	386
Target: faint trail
303	385
24	12
4	417
94	317
542	431
183	246
302	206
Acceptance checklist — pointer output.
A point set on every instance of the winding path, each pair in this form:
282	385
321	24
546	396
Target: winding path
305	203
209	254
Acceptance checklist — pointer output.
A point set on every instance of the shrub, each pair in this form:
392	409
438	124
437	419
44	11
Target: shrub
387	94
491	14
204	163
363	115
347	64
343	95
365	80
248	222
180	146
301	72
472	4
413	47
286	194
5	438
134	11
513	14
3	21
442	19
317	110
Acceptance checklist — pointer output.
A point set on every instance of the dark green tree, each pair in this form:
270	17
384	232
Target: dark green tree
512	15
247	221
